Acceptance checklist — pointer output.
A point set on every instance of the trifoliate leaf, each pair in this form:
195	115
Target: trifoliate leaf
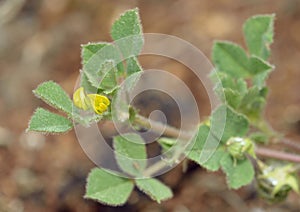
45	121
233	60
108	188
154	189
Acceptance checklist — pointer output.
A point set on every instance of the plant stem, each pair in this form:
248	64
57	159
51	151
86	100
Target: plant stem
277	137
265	152
174	132
160	127
289	143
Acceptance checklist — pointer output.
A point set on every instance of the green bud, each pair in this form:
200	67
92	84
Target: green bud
275	181
238	147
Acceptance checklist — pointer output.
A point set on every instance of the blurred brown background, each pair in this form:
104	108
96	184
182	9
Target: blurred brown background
40	40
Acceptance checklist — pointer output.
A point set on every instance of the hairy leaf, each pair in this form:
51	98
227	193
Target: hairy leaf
54	95
258	32
45	121
227	123
239	174
94	56
155	189
233	60
108	188
196	154
133	66
127	33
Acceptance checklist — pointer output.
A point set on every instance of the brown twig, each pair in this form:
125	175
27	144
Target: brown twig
265	152
289	143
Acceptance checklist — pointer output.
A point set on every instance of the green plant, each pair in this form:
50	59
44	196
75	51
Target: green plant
239	78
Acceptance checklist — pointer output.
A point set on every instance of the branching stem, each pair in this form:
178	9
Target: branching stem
174	132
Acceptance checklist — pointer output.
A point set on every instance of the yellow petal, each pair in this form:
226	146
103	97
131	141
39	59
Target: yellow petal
99	102
80	100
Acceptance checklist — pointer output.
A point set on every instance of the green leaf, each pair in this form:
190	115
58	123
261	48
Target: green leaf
54	95
94	56
262	70
258	66
86	84
45	121
90	49
232	98
230	58
121	106
253	103
233	60
235	123
223	80
260	79
127	33
155	189
107	77
213	162
239	174
108	188
133	66
258	32
131	81
130	152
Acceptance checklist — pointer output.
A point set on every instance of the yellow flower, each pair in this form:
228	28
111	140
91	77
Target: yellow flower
80	100
99	102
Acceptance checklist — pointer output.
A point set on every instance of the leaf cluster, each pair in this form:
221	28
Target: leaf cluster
226	141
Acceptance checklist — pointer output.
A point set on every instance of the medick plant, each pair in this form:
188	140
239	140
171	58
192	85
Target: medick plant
239	77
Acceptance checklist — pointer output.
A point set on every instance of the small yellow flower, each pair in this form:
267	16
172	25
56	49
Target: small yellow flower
80	100
99	102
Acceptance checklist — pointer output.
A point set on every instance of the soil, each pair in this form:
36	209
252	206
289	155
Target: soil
40	40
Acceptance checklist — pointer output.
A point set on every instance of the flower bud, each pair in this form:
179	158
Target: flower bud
238	147
80	100
275	181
